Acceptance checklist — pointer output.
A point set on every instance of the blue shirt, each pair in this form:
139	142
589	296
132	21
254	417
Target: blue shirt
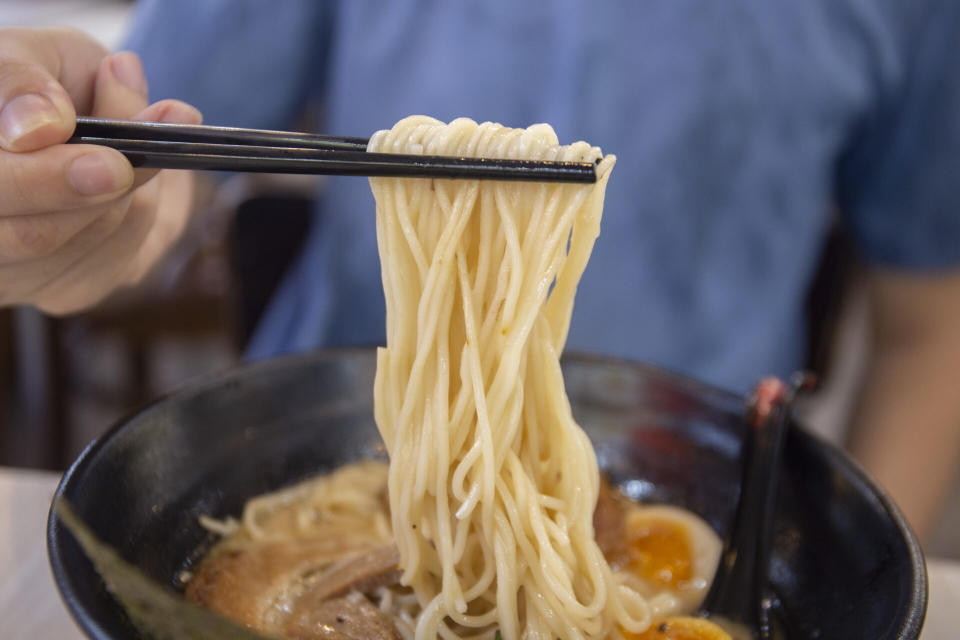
740	127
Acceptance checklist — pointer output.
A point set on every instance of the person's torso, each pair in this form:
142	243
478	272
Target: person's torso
727	120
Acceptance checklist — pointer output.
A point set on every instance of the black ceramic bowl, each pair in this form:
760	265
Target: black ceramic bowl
845	563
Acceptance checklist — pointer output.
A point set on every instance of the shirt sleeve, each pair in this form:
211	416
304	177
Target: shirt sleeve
899	185
247	63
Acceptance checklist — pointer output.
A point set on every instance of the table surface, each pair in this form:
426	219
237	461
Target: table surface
30	608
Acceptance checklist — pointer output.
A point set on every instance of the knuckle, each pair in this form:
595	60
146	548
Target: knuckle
17	187
22	59
11	40
71	32
44	43
73	37
17	76
28	237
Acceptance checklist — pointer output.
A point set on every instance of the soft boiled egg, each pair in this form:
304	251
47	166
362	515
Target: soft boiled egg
670	555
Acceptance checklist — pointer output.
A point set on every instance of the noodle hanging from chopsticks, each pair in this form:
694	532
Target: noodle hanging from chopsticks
492	484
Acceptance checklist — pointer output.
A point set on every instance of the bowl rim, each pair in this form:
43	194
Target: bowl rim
915	606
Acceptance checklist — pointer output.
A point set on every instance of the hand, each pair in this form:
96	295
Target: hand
77	221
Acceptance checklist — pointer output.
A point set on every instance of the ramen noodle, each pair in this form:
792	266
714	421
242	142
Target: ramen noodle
492	486
492	483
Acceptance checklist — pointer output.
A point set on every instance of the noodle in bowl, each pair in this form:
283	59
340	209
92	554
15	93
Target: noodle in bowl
840	545
667	553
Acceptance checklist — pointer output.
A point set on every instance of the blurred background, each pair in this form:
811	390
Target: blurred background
63	381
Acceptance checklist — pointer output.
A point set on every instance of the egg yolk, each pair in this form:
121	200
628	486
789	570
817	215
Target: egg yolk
658	551
681	628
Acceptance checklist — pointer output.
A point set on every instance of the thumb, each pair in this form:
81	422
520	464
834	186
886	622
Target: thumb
120	90
35	111
43	74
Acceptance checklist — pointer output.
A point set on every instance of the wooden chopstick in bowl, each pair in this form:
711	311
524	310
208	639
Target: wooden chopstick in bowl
169	146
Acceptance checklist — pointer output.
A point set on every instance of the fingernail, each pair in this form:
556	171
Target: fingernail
128	70
25	114
92	174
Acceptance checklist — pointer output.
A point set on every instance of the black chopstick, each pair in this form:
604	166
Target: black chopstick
131	130
166	146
